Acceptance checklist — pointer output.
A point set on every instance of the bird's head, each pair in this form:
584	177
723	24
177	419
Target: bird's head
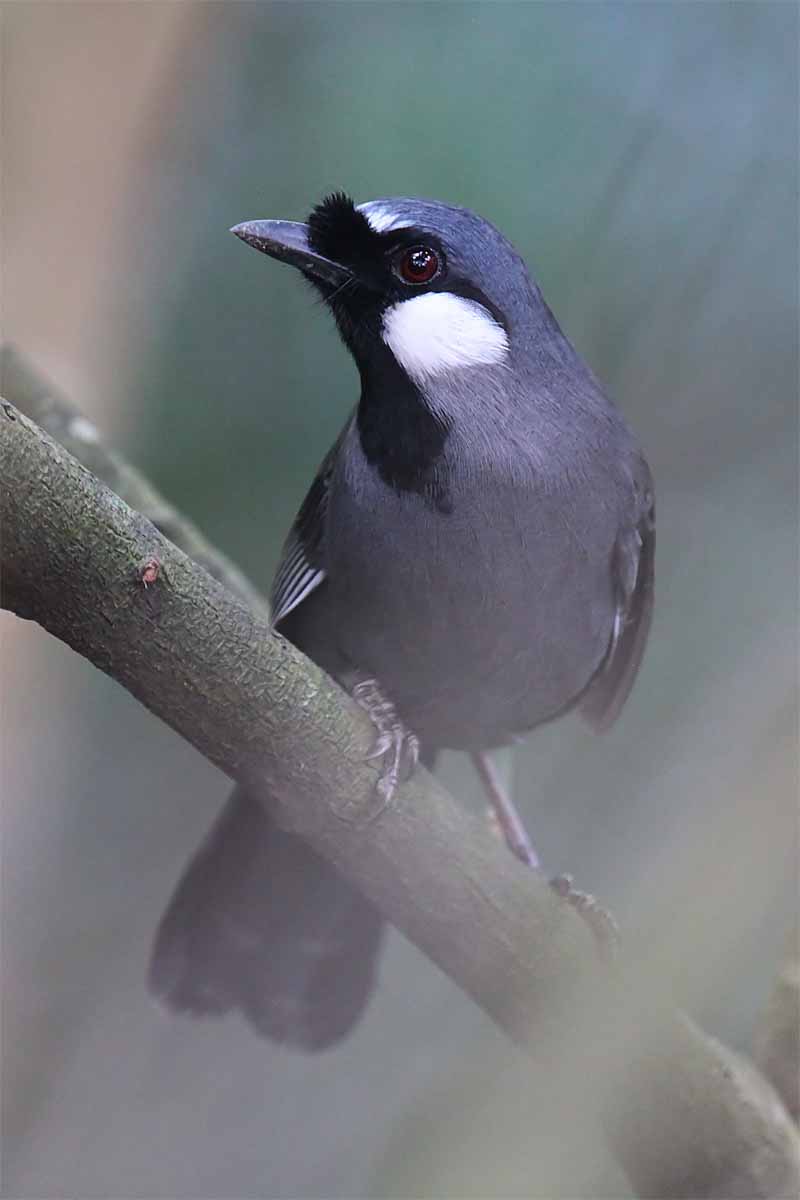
435	285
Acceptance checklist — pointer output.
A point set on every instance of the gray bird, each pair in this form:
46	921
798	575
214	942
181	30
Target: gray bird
474	558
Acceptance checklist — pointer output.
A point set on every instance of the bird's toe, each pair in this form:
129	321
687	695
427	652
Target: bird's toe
395	745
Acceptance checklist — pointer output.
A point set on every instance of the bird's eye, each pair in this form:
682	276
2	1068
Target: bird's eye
418	265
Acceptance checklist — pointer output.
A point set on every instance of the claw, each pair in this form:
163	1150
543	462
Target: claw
387	784
381	745
396	745
599	919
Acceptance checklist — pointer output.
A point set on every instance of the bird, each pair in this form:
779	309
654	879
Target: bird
474	558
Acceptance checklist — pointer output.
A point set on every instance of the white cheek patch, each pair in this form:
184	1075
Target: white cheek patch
382	219
439	332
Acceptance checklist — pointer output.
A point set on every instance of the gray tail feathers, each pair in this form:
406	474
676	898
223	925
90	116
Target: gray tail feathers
262	924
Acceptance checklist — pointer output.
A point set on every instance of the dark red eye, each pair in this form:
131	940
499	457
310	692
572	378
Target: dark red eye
419	264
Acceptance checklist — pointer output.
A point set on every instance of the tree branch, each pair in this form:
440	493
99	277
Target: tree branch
59	417
686	1116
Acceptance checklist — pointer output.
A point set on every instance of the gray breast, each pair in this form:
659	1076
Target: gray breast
480	622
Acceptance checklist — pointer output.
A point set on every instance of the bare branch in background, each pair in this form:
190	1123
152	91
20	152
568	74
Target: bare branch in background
686	1116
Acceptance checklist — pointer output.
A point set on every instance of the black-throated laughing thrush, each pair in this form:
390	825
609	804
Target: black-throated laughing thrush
474	557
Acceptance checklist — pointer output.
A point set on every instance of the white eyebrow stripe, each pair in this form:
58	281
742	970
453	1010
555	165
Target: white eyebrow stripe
382	219
438	332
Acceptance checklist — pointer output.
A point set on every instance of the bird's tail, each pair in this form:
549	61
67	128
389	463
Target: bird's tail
262	924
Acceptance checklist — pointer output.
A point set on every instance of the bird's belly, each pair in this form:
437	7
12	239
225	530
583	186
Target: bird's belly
477	628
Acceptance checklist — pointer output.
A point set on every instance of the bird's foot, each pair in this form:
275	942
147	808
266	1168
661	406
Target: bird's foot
505	822
396	746
599	919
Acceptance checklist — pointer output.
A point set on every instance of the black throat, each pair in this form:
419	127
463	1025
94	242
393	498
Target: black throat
400	435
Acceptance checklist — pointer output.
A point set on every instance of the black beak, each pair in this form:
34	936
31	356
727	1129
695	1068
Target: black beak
288	242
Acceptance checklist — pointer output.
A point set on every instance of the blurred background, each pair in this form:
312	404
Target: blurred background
643	158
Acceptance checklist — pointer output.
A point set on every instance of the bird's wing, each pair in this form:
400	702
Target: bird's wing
302	564
633	568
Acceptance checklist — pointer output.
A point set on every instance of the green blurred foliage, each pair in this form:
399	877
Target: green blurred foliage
640	157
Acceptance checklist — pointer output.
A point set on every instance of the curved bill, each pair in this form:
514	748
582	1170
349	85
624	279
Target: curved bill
288	242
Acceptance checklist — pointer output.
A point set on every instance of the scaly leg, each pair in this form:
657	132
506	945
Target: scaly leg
599	920
505	810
